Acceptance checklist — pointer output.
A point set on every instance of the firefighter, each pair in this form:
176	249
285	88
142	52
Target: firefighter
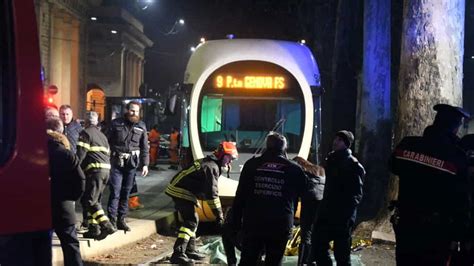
94	154
129	145
154	138
433	198
199	181
264	204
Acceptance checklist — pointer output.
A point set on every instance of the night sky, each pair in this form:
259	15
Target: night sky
277	19
166	60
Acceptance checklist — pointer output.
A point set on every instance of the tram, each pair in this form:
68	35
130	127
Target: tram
25	237
241	89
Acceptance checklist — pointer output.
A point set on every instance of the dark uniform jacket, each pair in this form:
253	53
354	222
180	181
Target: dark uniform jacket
268	191
93	150
67	180
72	131
343	190
433	188
127	137
199	181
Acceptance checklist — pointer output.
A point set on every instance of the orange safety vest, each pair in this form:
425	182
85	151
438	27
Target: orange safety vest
154	138
174	140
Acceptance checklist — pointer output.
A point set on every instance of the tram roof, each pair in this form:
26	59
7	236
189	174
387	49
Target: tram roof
292	56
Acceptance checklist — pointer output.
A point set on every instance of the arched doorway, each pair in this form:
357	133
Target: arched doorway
96	100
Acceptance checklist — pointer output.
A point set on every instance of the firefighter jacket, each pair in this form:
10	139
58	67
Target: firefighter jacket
343	190
433	184
67	180
93	150
72	131
267	194
129	138
199	181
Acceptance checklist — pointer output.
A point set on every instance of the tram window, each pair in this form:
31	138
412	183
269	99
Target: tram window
211	115
248	121
7	82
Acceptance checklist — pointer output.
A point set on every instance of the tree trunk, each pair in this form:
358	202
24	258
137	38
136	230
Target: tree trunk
374	108
430	69
431	62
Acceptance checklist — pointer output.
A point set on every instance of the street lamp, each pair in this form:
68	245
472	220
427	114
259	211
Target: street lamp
175	29
143	4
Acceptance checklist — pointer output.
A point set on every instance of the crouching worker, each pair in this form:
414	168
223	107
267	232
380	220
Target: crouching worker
199	181
94	153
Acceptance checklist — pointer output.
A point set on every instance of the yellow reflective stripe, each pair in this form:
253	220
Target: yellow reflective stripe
97	165
180	193
93	221
103	219
97	213
183	174
185	236
100	148
214	203
84	145
195	167
186	230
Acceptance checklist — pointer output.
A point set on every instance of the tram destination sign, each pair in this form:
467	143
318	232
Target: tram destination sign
265	82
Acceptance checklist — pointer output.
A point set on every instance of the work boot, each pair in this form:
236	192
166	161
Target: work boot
106	228
94	231
113	221
179	256
121	225
134	203
82	228
191	251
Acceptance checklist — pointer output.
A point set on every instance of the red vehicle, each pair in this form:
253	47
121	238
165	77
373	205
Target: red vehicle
25	226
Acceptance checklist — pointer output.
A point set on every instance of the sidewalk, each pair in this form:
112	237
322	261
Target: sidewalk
143	222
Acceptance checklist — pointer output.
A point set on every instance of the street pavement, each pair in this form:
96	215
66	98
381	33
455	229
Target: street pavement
158	210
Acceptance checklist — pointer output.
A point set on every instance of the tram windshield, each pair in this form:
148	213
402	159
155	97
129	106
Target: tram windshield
248	121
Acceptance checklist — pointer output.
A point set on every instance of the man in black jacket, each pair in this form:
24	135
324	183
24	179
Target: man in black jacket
71	127
128	141
342	195
433	197
264	204
199	181
67	186
94	154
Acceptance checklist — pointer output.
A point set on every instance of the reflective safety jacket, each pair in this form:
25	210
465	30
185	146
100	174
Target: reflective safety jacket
127	137
93	150
434	187
199	181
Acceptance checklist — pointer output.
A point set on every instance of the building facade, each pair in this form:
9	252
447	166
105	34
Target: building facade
82	56
116	55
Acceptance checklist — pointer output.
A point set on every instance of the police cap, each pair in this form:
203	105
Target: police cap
451	110
449	116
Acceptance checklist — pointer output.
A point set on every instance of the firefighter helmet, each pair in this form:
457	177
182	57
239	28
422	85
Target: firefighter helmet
226	147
